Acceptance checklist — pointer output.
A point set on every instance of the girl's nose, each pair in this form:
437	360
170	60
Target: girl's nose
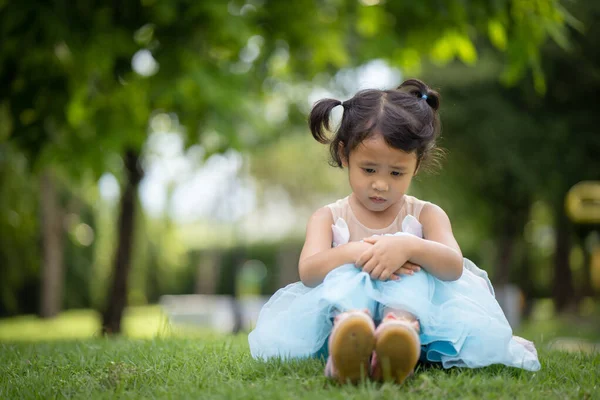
380	185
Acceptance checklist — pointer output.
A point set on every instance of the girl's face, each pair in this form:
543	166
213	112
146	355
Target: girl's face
379	174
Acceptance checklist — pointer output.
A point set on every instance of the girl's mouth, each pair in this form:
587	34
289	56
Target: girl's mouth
377	200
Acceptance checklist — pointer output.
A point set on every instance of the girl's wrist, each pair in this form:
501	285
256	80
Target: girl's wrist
355	249
411	244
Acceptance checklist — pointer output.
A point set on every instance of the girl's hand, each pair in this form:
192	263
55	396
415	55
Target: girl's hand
387	258
407	269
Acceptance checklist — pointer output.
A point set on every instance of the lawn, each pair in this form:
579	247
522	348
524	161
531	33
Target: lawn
157	361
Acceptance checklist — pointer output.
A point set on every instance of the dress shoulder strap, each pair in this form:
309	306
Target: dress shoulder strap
414	206
339	209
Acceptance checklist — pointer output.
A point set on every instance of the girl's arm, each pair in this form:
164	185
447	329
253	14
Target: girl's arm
318	258
438	252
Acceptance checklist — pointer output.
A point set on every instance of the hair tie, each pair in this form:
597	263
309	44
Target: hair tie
424	97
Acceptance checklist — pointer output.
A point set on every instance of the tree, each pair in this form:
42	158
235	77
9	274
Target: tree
572	124
517	147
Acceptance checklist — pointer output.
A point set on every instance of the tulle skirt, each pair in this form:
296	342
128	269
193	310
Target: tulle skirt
461	322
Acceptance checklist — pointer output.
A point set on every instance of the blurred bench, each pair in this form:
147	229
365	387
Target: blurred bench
221	313
510	299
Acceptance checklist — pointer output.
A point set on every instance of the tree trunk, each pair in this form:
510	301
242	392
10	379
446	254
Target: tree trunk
516	211
287	264
207	270
510	233
236	308
526	282
52	248
506	247
505	253
117	299
562	289
587	289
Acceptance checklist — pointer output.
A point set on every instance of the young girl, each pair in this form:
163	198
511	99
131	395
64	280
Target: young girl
380	257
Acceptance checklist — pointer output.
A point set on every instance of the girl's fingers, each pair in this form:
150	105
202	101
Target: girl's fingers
412	266
371	239
377	271
364	258
404	271
385	274
370	266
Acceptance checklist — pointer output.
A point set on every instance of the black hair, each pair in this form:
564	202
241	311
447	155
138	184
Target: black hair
406	117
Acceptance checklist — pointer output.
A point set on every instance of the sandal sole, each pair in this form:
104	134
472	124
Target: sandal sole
352	347
398	349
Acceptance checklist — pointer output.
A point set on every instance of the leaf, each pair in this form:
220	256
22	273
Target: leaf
497	34
76	113
454	44
539	81
558	34
6	122
443	49
466	50
370	21
408	59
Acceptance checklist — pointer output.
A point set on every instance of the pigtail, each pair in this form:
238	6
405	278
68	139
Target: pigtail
433	99
430	127
420	89
319	119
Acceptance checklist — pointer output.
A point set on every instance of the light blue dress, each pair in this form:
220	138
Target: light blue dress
461	322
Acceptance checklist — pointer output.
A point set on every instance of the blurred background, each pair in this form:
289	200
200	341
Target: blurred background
156	152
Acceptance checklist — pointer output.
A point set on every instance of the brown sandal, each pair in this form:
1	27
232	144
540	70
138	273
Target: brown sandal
350	347
397	350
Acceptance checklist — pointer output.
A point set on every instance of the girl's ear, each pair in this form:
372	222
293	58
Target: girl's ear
417	168
342	155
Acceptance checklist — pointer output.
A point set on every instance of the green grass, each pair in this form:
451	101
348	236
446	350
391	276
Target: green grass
138	322
156	361
221	368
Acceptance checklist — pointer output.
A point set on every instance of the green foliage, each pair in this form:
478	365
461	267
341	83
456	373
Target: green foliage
74	89
20	253
19	249
79	257
298	164
509	149
71	100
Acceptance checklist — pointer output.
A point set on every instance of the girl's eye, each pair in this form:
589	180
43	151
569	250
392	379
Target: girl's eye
396	173
369	170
